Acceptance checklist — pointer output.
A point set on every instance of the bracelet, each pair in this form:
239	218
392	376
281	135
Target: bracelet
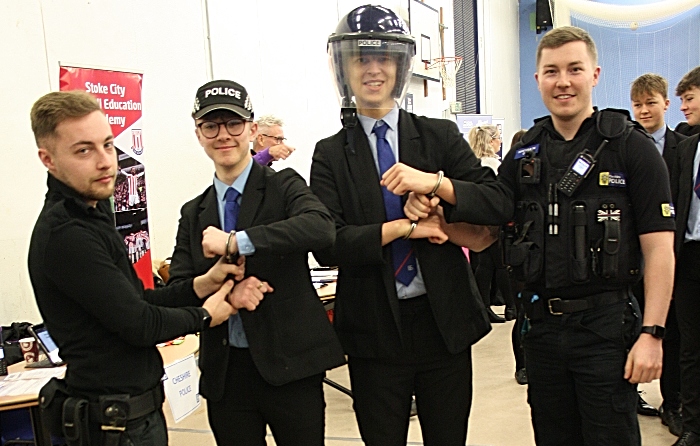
229	256
410	231
441	175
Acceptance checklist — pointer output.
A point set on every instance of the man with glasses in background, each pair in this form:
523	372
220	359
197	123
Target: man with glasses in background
266	366
268	145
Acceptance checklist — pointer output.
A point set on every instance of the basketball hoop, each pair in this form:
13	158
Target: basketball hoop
448	69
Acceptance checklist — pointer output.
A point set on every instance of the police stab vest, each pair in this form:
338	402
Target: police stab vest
584	243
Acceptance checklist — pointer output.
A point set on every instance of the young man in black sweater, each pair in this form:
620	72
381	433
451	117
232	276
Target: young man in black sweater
105	323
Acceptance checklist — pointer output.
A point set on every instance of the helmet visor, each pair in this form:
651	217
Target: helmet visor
371	72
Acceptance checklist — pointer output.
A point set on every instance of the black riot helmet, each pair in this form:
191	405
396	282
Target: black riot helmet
370	33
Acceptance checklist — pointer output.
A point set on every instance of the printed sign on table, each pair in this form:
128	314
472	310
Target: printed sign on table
182	387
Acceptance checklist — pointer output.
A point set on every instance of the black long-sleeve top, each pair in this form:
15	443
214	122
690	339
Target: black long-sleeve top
103	321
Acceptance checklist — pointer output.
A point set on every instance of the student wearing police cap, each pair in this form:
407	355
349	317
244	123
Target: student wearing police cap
592	198
407	308
266	366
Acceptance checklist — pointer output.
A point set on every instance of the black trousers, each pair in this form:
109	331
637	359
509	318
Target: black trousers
294	411
575	367
687	297
492	275
441	381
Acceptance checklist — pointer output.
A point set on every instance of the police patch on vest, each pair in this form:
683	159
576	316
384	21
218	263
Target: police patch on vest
614	179
667	210
529	151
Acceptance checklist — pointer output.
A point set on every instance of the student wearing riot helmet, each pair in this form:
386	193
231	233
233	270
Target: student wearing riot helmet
105	323
591	196
407	309
649	96
685	188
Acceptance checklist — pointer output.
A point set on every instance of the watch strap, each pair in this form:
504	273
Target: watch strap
206	319
656	331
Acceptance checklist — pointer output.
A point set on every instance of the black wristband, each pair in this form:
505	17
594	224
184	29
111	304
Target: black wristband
656	331
206	319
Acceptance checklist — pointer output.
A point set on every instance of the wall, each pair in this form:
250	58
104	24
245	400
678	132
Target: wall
268	45
530	99
670	48
500	64
163	42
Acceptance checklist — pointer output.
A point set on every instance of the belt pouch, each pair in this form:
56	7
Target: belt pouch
114	410
579	264
75	422
534	309
611	248
51	399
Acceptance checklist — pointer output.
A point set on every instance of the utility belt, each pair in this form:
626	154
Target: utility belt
538	307
70	416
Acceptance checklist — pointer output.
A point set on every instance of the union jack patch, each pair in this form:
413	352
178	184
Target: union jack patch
608	214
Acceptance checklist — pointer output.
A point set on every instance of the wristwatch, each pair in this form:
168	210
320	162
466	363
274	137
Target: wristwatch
656	331
206	320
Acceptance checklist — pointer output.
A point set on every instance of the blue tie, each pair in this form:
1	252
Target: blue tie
236	335
404	261
231	209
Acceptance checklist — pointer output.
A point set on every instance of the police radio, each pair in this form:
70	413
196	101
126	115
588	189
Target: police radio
579	169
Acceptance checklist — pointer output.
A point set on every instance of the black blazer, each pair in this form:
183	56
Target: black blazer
344	176
670	155
682	184
289	334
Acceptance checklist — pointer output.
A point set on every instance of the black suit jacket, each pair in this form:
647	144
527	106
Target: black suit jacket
344	176
682	184
289	334
670	155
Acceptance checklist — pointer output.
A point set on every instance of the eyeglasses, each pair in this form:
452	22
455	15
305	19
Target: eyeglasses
278	139
210	129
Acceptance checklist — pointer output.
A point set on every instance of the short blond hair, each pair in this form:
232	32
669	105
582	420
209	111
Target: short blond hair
54	108
563	35
480	138
649	83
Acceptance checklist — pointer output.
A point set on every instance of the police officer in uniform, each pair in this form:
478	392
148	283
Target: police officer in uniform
592	199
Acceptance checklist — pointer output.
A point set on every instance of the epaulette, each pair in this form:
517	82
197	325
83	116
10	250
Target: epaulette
612	123
534	132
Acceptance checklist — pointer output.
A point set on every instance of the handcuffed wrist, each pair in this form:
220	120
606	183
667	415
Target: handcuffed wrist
440	175
410	230
229	254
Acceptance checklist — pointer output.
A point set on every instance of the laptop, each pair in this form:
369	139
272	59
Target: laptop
47	345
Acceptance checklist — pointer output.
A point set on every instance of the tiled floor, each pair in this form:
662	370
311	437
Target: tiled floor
499	417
